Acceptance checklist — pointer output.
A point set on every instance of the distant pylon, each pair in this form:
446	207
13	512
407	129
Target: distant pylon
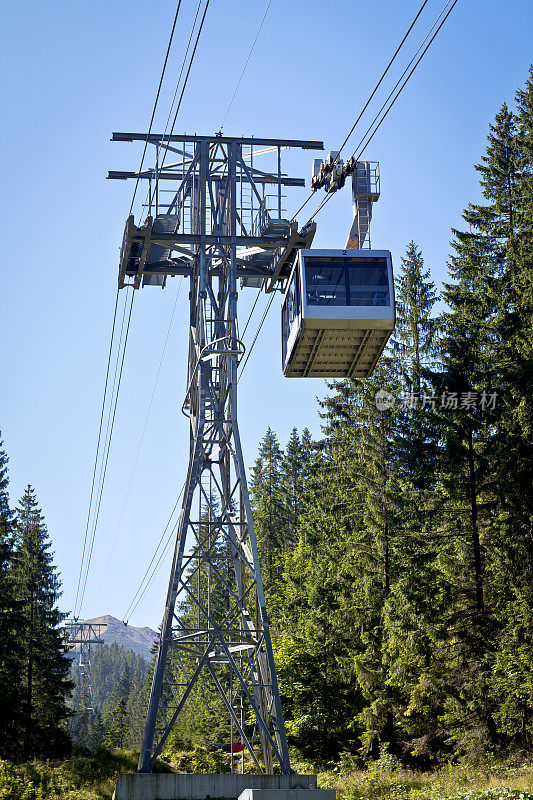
83	635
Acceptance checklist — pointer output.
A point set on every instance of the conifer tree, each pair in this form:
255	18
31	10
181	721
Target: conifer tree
293	470
414	352
10	628
376	472
475	329
113	668
205	718
117	726
44	668
137	709
122	688
321	604
6	514
414	555
85	727
472	340
414	338
515	330
269	511
512	539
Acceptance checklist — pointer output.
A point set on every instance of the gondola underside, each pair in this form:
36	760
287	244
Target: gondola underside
335	352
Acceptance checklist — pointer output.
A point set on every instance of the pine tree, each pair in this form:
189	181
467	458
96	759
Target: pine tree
321	609
407	472
137	710
85	727
122	688
414	338
293	476
44	668
113	668
117	726
402	614
512	540
10	628
268	507
414	352
6	514
471	344
472	347
205	718
376	472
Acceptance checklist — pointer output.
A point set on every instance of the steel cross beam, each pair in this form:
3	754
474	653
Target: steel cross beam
304	144
268	241
215	627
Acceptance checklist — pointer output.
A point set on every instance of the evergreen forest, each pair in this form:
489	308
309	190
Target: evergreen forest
396	547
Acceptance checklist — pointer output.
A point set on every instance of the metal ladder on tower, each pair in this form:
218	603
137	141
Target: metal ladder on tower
365	191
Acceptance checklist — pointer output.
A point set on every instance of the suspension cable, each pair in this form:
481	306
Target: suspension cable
141	439
245	65
364	144
155	570
168	138
250	315
383	74
97	447
185	83
107	447
161	166
258	331
408	76
130	608
155	103
326	200
183	62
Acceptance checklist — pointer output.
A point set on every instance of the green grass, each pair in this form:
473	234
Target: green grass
488	782
93	777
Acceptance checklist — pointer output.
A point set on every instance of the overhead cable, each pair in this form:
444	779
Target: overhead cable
155	570
185	82
258	331
155	103
133	604
245	65
183	62
97	448
141	439
383	74
250	315
364	144
376	87
107	447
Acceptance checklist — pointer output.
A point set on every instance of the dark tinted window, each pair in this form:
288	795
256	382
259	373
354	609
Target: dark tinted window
291	309
369	284
340	281
325	282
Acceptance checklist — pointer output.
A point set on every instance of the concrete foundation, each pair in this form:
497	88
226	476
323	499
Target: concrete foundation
173	786
288	794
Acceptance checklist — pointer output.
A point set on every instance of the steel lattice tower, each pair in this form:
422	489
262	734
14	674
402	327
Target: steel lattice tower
84	635
222	225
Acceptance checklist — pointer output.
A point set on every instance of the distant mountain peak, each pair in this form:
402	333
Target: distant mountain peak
140	640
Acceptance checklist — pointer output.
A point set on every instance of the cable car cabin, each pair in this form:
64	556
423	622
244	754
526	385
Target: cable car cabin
337	314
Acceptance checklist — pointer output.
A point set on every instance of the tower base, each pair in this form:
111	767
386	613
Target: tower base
174	786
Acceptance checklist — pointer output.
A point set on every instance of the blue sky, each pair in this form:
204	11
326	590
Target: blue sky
71	74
